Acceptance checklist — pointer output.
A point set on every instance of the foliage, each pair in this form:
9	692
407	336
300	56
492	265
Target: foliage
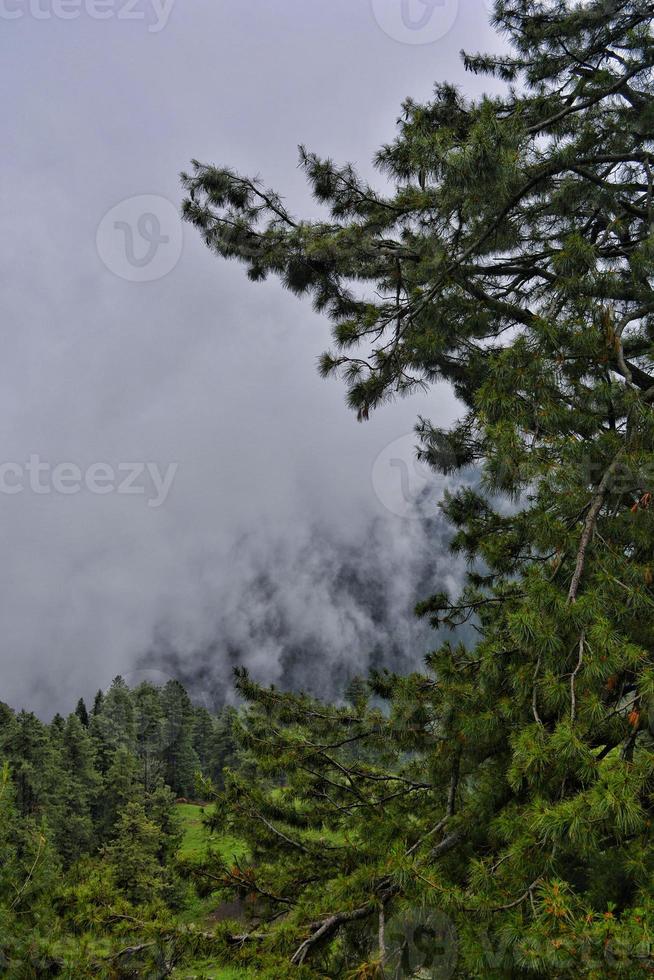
91	883
510	786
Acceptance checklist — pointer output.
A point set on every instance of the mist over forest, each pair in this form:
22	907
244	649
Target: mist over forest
327	490
312	615
194	368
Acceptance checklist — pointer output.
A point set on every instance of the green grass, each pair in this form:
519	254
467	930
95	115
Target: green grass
197	838
209	971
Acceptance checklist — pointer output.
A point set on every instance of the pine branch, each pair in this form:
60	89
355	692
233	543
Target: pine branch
590	522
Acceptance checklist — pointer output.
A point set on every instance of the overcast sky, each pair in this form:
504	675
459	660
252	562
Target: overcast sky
122	347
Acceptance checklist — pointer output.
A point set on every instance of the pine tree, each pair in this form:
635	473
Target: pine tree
133	855
82	713
224	753
117	716
121	786
161	810
513	258
79	785
89	836
149	720
28	873
57	725
112	722
181	763
98	701
32	750
204	738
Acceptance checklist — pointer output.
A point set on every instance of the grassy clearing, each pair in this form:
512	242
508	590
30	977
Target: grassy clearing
194	846
207	971
197	838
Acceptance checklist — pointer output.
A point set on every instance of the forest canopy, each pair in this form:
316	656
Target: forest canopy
489	815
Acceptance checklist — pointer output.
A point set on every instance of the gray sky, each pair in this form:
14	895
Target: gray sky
197	367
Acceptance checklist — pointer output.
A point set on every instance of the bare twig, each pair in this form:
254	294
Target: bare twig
534	694
329	925
430	833
21	890
454	782
520	900
132	950
573	677
589	524
447	844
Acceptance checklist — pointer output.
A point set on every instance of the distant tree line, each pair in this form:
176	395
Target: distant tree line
78	773
88	827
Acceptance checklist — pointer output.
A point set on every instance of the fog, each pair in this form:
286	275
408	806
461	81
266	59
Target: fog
278	544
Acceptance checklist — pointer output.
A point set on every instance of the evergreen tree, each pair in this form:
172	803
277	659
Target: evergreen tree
204	739
121	786
65	791
513	258
78	787
112	723
28	872
98	701
133	855
82	713
32	749
149	721
225	753
117	716
181	763
161	810
57	725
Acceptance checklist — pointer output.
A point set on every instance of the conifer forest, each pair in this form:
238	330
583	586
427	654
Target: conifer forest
484	810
